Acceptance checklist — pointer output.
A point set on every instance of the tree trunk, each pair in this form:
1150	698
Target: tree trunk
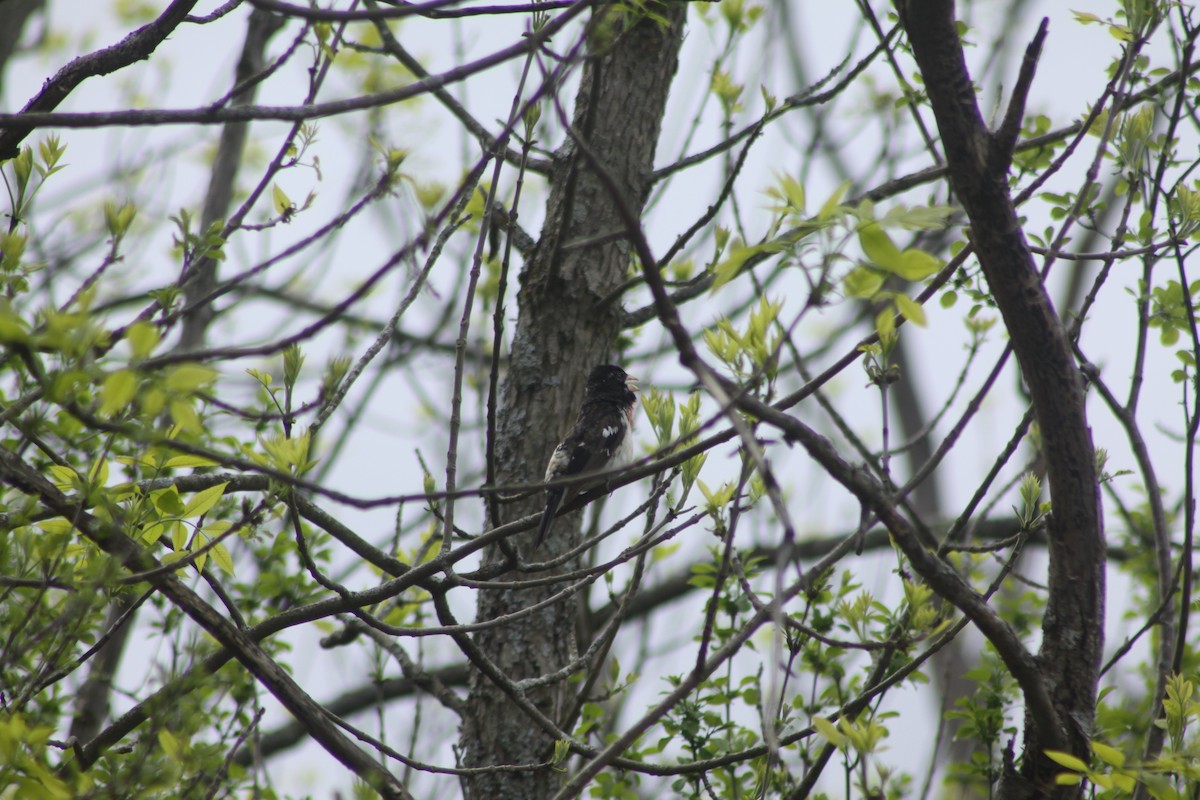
978	159
92	702
563	330
13	16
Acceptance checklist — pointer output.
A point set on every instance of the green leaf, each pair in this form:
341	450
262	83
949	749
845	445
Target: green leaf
200	559
1124	782
1066	760
916	265
911	309
48	785
769	99
143	337
179	538
153	399
287	454
119	388
203	501
1160	788
918	218
98	474
885	325
56	526
562	750
283	203
65	478
153	532
878	246
222	558
167	501
293	360
189	377
720	238
830	207
13	244
863	283
829	732
169	744
793	191
1109	755
51	150
185	416
1121	33
717	498
739	254
664	551
175	462
118	218
23	168
13	329
217	528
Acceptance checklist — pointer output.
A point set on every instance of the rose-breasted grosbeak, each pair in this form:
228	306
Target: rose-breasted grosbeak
601	440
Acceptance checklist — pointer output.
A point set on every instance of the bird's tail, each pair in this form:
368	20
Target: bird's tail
553	498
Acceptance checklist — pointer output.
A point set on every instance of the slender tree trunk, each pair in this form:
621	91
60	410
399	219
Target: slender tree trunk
226	166
978	159
563	330
13	16
92	701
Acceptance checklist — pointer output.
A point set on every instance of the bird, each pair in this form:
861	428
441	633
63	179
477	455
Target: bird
601	440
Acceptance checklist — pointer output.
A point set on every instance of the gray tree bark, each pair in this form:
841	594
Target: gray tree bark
563	330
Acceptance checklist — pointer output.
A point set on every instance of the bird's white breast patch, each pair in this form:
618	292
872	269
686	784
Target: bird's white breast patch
624	454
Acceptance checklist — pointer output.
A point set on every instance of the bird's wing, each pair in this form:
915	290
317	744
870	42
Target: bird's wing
589	446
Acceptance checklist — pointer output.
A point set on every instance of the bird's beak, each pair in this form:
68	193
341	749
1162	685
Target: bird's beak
631	382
